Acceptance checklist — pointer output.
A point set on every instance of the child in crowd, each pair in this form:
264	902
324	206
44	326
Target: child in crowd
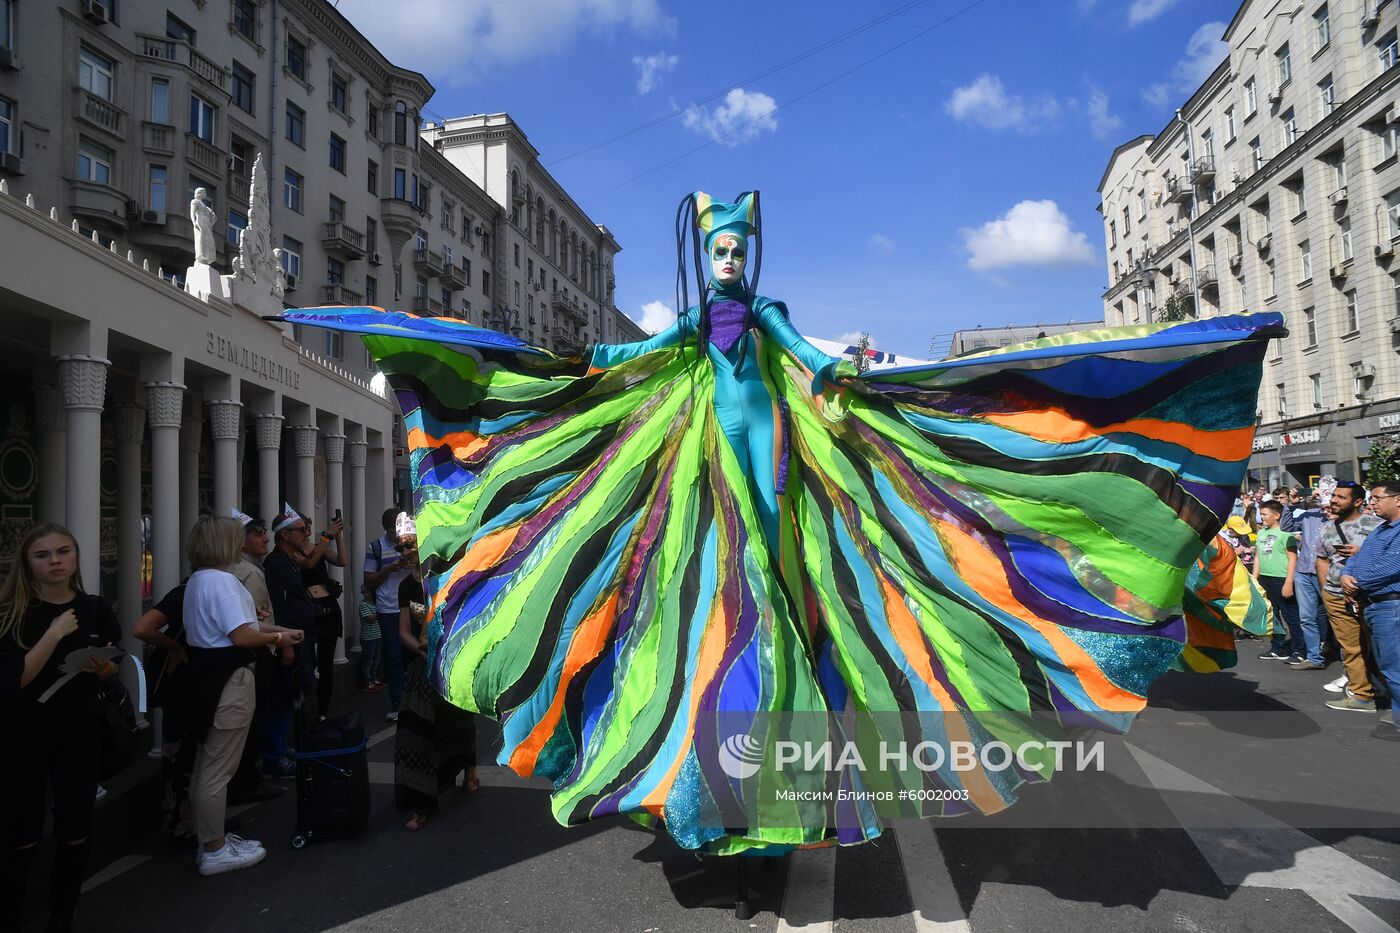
370	636
1275	562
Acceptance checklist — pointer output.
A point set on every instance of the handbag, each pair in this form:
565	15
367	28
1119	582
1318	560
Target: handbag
117	722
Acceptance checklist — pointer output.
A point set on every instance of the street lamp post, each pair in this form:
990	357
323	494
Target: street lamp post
1191	216
1142	278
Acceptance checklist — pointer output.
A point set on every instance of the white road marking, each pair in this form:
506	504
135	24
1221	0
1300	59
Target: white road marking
122	865
382	735
809	898
936	905
1258	851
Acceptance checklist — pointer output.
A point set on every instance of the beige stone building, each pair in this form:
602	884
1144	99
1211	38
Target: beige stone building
979	338
1278	189
132	405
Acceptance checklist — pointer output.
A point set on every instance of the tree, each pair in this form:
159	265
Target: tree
859	358
1176	309
1385	459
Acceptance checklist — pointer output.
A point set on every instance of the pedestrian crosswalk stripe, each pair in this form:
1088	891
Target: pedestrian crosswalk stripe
936	905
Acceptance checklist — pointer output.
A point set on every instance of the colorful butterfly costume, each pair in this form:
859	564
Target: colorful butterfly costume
626	554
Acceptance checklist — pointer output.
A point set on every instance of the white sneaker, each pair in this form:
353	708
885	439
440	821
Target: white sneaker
243	845
101	792
229	858
1336	686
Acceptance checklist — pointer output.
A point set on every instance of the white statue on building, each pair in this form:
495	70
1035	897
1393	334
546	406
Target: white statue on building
279	275
202	216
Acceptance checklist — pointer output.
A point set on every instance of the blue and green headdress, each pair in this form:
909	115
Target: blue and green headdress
701	219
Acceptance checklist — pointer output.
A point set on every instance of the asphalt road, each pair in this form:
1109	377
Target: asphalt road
1192	826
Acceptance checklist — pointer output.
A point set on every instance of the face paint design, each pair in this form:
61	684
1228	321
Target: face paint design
728	256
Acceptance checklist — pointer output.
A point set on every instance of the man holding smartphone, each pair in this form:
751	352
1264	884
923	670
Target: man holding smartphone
1340	541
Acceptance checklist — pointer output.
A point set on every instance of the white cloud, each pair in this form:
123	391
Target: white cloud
1204	52
881	243
656	317
742	116
1144	10
1033	233
850	336
650	68
1102	122
453	41
985	101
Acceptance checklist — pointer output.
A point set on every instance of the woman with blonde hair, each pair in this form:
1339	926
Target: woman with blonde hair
55	740
223	629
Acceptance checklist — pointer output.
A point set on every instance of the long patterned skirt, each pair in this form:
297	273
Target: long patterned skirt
435	741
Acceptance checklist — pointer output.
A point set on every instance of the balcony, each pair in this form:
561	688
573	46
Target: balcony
180	53
427	261
1203	172
422	304
202	155
238	187
1206	280
453	277
158	138
1176	191
561	302
338	293
102	114
566	345
340	239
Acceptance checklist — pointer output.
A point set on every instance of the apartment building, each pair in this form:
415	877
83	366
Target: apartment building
1278	189
979	338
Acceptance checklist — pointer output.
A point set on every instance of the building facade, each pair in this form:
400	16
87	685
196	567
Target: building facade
979	338
1278	189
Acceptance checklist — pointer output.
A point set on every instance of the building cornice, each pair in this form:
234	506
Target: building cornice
353	45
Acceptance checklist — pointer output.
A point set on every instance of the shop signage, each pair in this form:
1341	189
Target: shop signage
267	369
1305	436
1264	442
1388	422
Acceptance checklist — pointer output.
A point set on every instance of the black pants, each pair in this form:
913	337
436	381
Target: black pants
45	755
325	668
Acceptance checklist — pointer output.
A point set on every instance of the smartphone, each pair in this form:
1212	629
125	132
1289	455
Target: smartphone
336	517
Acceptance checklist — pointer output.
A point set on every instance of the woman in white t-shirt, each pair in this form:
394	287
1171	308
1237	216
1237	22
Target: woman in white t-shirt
223	631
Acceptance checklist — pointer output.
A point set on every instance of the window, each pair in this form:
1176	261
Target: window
1322	28
400	123
239	157
517	294
446	255
296	124
372	119
1300	197
1344	239
1316	380
486	282
1388	140
241	93
516	247
1290	127
1392	212
446	300
1282	398
336	209
1256	154
371	291
291	259
1304	262
95	73
1339	171
337	154
7	125
1142	204
201	118
194	183
1387	50
7	24
1112	234
245	18
420	241
372	177
335	345
94	163
1353	322
340	93
296	57
157	182
1327	95
237	222
160	101
420	288
1127	222
1285	65
1230	124
400	182
335	271
1251	98
449	214
1271	279
291	190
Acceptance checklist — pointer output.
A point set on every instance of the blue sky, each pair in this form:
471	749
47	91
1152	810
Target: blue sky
949	183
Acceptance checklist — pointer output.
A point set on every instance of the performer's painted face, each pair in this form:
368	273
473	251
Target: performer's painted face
728	255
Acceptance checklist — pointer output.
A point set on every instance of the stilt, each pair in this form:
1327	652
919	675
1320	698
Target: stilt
743	910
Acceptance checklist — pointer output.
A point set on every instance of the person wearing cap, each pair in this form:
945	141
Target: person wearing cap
247	786
293	608
1241	537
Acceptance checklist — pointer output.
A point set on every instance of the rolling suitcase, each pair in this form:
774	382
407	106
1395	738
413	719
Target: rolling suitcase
332	780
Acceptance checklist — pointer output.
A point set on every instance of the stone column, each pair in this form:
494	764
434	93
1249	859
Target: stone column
362	526
191	436
225	424
304	450
84	381
334	446
52	423
269	438
130	432
164	401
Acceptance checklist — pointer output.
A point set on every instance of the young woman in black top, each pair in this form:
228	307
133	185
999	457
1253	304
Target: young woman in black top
325	592
44	616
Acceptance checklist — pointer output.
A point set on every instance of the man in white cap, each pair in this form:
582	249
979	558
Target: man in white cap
292	607
246	785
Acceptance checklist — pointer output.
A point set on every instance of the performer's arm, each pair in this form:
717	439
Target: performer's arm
608	355
772	316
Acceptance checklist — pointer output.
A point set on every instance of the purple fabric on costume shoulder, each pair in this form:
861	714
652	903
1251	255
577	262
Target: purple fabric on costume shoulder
727	319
